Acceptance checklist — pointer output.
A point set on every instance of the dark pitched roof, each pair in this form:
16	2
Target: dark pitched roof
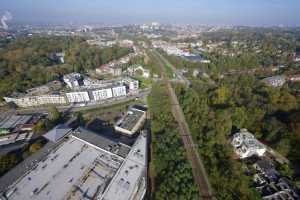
57	132
102	142
264	165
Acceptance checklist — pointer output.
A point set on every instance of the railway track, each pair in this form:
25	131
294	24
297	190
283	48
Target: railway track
199	173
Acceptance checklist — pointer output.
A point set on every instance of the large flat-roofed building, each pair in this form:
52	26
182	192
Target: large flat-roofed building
99	141
57	133
15	138
76	169
130	123
130	181
10	122
77	97
16	130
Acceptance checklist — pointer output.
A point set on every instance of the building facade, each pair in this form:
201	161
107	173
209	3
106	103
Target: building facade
29	101
72	80
77	97
102	94
131	84
119	91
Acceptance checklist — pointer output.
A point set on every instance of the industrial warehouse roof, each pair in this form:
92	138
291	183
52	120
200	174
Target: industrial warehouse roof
102	142
130	180
5	149
18	171
82	170
12	121
57	132
131	119
85	171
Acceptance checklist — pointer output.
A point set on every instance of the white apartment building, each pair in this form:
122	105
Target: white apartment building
89	82
171	49
275	81
246	145
90	90
132	84
102	94
51	99
101	43
77	97
72	80
119	91
29	101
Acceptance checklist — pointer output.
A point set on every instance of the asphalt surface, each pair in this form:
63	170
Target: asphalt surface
199	173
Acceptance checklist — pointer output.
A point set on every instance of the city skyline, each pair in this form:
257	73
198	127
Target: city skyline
215	12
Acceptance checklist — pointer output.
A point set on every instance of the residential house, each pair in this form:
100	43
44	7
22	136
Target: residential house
246	145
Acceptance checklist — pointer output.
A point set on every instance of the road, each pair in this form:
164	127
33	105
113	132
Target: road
199	173
89	106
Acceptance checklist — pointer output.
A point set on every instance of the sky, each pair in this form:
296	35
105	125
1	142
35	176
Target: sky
209	12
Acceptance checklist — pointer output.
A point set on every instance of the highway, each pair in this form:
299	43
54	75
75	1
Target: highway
199	172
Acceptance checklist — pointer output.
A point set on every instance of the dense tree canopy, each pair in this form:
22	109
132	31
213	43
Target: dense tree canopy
214	112
26	62
173	173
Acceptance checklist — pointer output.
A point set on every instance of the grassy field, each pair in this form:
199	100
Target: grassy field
109	113
160	61
144	82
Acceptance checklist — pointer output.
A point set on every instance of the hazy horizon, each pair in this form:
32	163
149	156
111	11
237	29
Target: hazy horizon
213	12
